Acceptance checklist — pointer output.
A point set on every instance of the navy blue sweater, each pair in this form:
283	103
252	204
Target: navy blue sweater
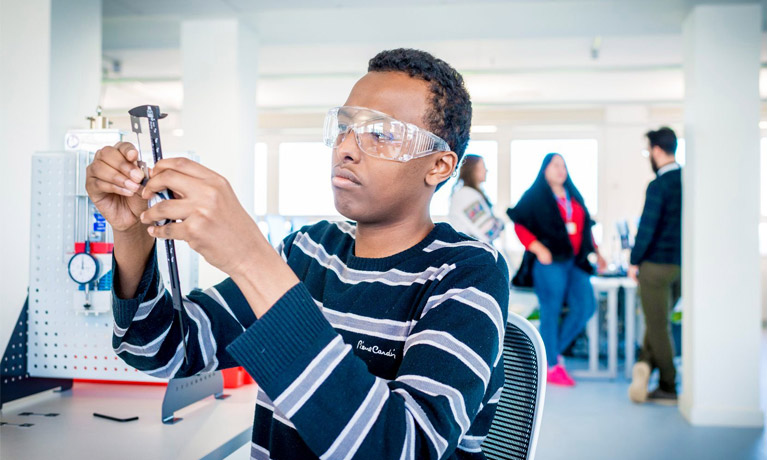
659	237
398	357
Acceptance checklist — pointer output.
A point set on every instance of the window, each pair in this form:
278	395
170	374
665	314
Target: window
488	150
581	156
259	180
680	152
305	188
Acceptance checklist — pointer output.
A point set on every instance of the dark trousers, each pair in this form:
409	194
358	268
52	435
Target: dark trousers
658	289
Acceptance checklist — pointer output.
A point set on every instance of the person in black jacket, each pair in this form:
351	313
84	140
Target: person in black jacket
553	223
656	264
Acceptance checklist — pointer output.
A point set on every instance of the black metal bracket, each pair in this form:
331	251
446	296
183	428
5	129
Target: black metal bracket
184	391
15	381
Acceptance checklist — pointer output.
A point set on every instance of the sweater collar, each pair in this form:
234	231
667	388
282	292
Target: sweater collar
386	263
669	167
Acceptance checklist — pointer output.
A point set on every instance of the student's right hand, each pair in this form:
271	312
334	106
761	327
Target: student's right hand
113	181
541	252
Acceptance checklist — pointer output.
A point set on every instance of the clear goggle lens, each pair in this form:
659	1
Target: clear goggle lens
380	135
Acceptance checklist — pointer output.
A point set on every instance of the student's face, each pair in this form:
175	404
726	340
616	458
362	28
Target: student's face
480	172
556	172
384	190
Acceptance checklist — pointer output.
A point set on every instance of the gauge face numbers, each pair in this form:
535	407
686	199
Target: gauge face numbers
83	268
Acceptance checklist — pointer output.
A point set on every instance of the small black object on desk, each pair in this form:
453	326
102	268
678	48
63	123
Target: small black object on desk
116	419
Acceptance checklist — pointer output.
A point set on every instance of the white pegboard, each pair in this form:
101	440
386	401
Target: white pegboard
64	341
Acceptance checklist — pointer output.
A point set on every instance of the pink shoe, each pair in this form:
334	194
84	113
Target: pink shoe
558	376
566	375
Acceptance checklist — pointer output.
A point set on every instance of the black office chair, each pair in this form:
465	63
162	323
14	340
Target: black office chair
514	431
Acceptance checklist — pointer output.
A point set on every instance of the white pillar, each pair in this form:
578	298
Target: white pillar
720	263
219	113
25	59
75	76
623	172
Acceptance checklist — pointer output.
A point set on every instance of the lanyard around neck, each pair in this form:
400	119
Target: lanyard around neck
568	206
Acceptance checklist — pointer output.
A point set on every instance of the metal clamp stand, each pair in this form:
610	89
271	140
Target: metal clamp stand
15	382
182	392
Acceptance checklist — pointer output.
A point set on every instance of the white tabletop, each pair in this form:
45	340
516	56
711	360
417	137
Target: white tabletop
210	428
607	282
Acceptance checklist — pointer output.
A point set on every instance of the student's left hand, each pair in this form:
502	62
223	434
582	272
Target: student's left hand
212	220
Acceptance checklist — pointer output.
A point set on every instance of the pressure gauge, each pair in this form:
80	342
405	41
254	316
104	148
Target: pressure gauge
83	268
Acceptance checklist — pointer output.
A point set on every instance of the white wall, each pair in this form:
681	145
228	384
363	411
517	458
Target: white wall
24	98
219	74
75	73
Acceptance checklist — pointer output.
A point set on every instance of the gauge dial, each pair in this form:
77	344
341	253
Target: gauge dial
83	268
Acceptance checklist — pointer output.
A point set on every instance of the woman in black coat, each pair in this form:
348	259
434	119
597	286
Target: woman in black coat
554	225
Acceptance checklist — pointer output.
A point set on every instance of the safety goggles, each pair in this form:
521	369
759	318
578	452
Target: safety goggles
380	135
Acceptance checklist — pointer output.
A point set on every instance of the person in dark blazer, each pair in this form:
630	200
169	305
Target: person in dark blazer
656	261
553	223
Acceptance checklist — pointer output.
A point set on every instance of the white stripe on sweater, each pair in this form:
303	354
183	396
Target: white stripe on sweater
213	293
449	344
150	349
318	369
434	388
171	368
205	339
437	244
393	277
437	441
349	440
478	300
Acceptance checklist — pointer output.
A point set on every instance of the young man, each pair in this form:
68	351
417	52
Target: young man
375	339
657	257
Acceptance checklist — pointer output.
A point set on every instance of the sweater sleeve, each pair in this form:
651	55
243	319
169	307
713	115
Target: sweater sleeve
147	330
525	236
648	223
341	410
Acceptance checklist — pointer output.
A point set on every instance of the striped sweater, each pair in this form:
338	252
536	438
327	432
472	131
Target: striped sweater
398	357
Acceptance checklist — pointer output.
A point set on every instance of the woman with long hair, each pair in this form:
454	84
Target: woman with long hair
471	211
553	223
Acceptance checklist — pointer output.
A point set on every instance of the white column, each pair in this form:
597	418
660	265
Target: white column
75	76
720	263
624	173
219	112
25	58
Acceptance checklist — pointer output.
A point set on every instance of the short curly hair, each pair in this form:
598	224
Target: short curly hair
450	113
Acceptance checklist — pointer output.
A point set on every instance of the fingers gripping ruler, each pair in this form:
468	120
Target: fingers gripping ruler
144	123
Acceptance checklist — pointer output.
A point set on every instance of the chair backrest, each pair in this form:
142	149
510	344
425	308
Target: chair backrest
514	431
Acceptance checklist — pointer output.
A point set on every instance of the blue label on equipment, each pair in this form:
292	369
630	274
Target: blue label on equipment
98	217
99	226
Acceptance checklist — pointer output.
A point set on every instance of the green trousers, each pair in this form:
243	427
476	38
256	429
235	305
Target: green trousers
659	291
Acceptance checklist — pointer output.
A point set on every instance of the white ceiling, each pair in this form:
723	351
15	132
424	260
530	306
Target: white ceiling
192	8
510	52
151	23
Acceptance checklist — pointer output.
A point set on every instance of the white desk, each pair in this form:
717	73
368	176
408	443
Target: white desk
210	429
610	286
